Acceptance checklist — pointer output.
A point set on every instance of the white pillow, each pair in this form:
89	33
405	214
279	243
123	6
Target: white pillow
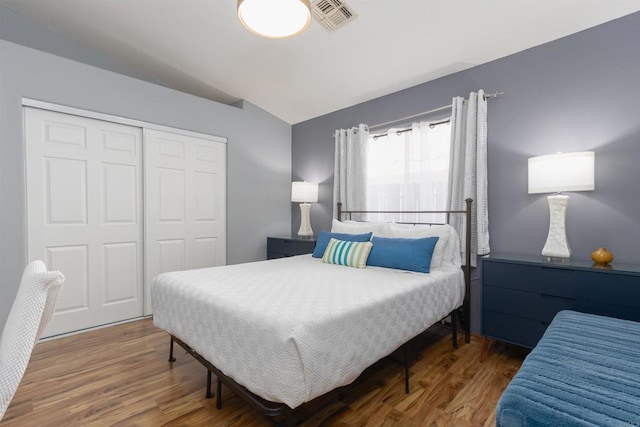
447	250
453	249
357	227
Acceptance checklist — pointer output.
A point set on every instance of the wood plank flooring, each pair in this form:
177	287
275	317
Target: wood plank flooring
119	376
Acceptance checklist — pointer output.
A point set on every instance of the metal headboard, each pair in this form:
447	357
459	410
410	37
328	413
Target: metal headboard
466	306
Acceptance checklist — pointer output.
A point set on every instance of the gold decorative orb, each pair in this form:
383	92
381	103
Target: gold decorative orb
601	256
602	266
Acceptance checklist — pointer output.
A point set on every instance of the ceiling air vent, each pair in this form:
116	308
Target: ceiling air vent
332	14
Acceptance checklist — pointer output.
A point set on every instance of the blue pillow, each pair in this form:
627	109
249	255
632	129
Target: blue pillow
404	254
325	236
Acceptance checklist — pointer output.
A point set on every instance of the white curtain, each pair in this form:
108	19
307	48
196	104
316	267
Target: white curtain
350	168
409	171
468	171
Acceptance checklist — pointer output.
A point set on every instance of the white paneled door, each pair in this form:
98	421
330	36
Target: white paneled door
84	213
185	204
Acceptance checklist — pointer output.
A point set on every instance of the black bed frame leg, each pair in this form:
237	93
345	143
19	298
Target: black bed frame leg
218	394
289	420
209	395
171	358
406	368
454	328
467	332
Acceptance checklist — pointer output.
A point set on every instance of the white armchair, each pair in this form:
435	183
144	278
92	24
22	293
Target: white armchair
30	313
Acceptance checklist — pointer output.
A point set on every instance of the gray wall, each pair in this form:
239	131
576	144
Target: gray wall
577	93
18	29
259	146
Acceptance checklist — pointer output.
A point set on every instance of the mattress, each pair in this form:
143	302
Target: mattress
584	371
292	329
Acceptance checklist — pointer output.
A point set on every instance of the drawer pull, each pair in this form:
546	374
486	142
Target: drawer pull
548	296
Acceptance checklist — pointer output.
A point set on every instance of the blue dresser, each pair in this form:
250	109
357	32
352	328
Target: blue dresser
522	294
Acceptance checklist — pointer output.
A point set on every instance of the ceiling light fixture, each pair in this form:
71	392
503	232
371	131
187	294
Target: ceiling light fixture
275	18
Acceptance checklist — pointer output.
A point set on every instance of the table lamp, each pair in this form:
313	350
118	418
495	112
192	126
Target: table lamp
305	193
555	173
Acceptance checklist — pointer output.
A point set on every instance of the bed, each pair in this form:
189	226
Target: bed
283	332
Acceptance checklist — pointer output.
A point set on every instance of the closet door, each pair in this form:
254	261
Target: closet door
84	215
185	204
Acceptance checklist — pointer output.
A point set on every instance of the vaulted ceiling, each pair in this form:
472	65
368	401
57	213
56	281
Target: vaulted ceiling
199	46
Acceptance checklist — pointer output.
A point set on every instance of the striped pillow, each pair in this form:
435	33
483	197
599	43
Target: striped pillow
351	254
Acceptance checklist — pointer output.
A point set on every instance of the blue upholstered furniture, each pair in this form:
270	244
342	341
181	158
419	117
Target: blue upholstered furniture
585	371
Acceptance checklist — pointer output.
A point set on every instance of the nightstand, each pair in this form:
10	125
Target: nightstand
522	294
280	247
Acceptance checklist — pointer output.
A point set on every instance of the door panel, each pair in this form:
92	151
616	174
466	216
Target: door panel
120	269
206	196
84	215
62	134
172	255
120	198
73	261
65	190
171	195
205	252
185	199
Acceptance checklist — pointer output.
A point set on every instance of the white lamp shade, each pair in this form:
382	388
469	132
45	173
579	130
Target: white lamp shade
562	172
304	192
275	18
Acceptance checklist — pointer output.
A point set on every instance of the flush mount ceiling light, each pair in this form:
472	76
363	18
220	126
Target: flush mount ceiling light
275	18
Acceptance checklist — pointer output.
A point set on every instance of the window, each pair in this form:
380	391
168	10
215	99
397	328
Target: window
409	170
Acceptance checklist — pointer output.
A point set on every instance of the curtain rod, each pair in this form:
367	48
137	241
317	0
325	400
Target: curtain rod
435	110
399	131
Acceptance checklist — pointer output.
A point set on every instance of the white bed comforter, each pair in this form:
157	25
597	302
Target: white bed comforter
292	329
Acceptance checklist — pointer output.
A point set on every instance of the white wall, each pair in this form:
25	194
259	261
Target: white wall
259	148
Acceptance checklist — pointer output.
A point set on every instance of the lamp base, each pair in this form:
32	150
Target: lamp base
557	246
305	231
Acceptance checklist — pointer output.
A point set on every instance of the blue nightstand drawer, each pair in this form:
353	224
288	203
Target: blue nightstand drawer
280	247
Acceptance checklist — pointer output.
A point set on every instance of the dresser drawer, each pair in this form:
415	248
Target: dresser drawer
512	329
598	287
531	278
540	306
610	288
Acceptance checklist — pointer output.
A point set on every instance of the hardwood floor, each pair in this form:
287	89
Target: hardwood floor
119	376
